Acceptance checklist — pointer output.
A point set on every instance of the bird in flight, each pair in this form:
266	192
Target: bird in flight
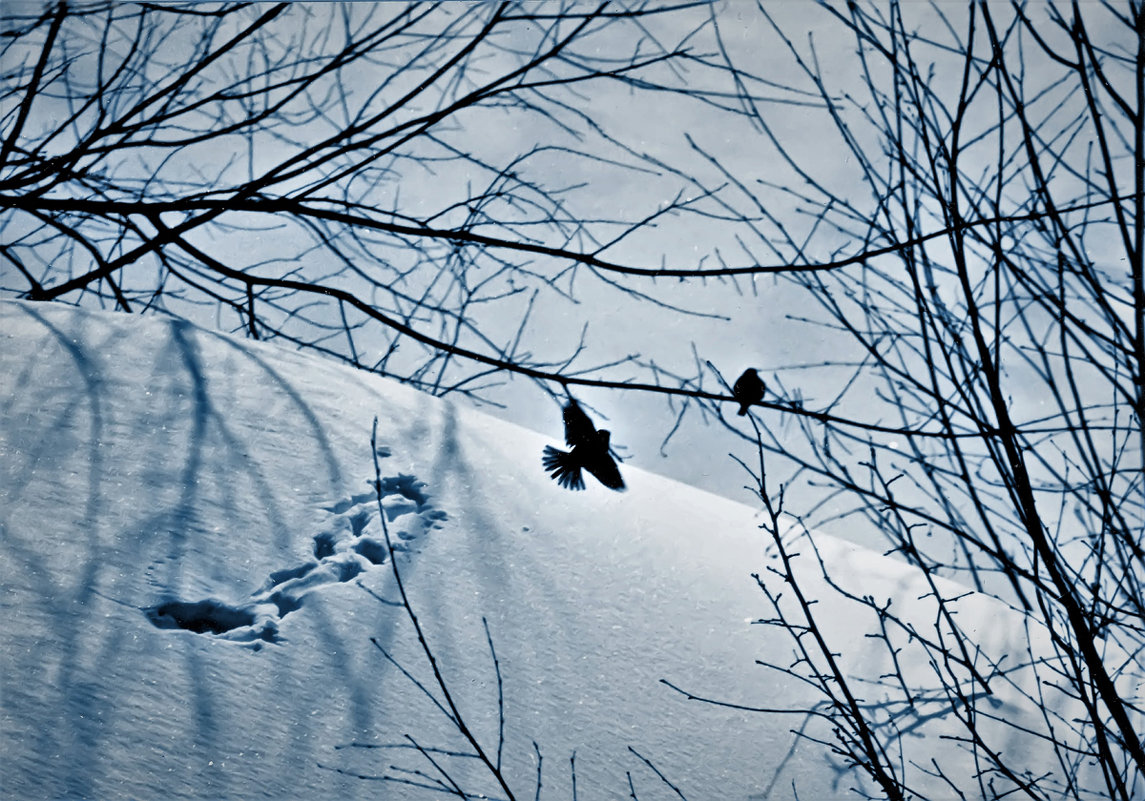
748	390
589	451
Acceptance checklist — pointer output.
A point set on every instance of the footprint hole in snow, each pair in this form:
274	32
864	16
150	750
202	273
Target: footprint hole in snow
358	522
323	545
285	603
345	569
280	576
408	486
202	617
371	550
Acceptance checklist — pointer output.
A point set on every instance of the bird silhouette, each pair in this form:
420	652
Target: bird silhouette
589	451
748	390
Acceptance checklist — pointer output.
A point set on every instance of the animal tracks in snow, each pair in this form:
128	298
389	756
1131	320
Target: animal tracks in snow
350	544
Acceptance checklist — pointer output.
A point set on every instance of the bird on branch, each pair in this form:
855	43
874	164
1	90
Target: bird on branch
748	390
589	451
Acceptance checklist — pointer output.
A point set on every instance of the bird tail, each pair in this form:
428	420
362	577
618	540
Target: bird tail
742	409
563	468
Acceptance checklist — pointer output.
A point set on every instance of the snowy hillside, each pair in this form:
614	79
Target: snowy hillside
193	569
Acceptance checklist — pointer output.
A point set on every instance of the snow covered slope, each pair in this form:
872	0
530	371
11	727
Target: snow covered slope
192	570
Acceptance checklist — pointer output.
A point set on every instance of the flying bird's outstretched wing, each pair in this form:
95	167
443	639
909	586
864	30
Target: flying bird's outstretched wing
564	468
579	430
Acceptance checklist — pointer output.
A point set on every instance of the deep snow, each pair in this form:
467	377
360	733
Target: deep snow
193	569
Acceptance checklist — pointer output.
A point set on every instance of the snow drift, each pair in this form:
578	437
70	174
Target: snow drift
196	593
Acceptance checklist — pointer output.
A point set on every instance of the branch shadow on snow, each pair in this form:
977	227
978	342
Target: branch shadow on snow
153	432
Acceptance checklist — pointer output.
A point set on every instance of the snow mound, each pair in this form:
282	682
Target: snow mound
198	601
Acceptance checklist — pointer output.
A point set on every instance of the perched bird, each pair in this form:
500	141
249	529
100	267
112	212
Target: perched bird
589	451
748	390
